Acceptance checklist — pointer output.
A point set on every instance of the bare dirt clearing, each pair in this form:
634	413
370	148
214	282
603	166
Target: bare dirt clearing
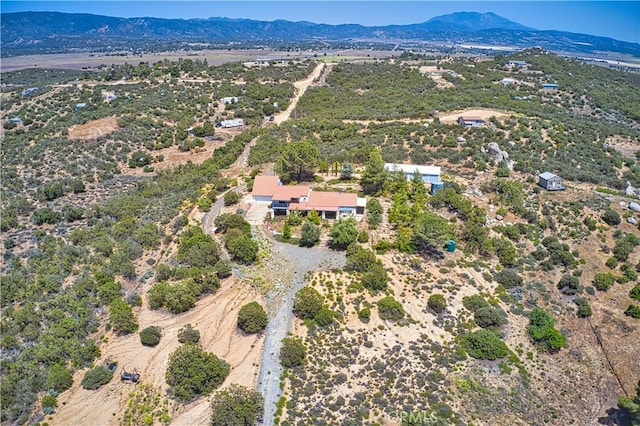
214	316
485	114
94	129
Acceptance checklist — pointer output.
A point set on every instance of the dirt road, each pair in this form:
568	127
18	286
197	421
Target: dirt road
286	269
301	87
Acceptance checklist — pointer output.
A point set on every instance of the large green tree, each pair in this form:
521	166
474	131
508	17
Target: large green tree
374	176
343	233
197	248
485	344
298	161
309	234
431	232
252	318
307	302
192	372
121	317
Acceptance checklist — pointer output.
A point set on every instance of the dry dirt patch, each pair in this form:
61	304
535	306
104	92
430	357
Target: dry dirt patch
93	130
485	114
627	147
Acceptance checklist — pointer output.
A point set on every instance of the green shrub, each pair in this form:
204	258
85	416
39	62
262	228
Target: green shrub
314	217
437	303
390	309
485	344
343	233
584	309
611	262
569	285
197	248
590	223
286	231
541	329
633	311
252	318
151	335
236	406
364	314
227	221
359	259
292	352
509	278
634	293
192	372
181	296
96	377
140	159
475	302
375	278
631	404
204	204
294	219
188	334
629	272
307	303
611	217
489	317
324	317
59	378
382	246
46	215
363	237
603	281
231	198
223	268
49	401
243	249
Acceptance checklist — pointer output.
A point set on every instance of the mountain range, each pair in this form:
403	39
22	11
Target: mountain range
47	32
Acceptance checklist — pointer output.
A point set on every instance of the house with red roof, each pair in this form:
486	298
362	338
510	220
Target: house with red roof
303	199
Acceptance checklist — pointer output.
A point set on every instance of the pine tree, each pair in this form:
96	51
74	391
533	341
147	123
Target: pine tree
374	175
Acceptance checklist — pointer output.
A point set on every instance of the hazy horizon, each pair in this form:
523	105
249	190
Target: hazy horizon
619	20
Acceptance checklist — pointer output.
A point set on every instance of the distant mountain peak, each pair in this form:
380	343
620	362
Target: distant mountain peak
475	21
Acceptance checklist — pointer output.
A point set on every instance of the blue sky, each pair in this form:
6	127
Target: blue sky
616	19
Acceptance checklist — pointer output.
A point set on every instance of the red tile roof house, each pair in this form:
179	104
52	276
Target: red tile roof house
263	187
287	198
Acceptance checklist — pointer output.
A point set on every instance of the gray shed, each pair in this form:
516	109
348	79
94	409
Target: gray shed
550	182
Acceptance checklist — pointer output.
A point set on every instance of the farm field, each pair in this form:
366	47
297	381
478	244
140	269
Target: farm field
80	61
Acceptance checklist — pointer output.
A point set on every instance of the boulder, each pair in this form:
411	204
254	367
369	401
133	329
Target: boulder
494	150
634	207
632	221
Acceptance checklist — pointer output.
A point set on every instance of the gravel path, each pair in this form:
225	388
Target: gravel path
287	267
